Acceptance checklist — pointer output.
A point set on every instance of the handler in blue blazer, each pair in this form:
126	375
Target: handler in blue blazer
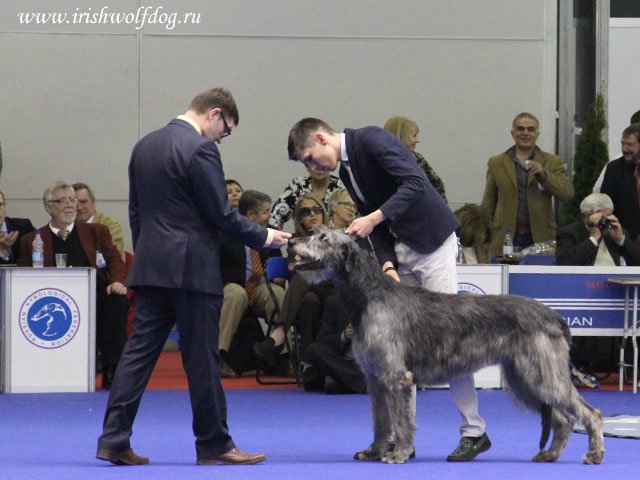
411	227
177	207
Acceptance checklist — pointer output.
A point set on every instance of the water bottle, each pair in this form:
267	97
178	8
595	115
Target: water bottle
507	246
37	253
460	254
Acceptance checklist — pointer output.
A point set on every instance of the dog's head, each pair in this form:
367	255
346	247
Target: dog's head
322	255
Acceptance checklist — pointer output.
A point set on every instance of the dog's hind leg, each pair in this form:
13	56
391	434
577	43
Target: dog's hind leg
591	418
402	415
561	425
378	393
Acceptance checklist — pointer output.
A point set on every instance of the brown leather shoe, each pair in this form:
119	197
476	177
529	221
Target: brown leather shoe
235	456
127	457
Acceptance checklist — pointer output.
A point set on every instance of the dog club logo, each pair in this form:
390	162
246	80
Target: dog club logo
470	288
49	318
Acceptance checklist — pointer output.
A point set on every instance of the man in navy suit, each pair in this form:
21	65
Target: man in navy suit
11	231
177	208
411	227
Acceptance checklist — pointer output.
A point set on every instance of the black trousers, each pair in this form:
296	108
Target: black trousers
303	306
197	316
329	363
111	324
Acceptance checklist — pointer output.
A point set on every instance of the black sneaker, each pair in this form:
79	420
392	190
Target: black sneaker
469	448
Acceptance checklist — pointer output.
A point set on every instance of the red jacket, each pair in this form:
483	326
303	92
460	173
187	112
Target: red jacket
93	236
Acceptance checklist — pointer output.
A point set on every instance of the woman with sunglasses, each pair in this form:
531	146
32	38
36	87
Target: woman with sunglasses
303	303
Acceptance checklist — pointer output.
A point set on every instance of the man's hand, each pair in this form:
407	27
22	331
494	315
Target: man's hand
7	240
615	231
534	168
279	239
116	288
363	226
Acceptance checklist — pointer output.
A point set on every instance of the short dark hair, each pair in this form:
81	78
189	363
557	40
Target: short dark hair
528	115
635	118
300	134
231	181
216	98
83	186
633	129
252	200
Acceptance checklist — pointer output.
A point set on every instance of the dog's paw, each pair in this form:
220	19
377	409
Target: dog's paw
399	455
395	457
546	456
369	455
593	457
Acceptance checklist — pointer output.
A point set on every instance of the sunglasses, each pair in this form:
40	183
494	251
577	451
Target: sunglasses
308	211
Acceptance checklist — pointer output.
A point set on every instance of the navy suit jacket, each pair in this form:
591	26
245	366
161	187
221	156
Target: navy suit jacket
22	226
233	259
177	207
619	184
391	180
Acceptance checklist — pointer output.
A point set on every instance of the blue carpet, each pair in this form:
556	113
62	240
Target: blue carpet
305	436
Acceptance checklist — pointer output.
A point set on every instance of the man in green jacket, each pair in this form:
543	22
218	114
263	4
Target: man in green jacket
520	185
87	214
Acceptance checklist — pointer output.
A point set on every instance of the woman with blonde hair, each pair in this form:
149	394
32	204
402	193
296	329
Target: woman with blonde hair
407	131
303	303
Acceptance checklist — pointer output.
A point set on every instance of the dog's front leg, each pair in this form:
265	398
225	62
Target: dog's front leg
378	393
401	404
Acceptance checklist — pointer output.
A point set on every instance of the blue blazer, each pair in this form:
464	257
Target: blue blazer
391	180
177	207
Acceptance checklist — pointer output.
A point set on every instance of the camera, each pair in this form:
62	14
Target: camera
605	223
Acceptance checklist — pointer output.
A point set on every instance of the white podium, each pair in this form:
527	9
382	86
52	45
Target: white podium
47	336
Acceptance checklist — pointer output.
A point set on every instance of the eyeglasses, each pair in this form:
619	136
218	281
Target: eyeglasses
308	211
65	201
227	131
348	205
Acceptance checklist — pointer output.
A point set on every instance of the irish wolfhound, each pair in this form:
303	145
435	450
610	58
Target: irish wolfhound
405	334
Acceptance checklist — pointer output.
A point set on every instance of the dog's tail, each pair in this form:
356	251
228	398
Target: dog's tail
545	412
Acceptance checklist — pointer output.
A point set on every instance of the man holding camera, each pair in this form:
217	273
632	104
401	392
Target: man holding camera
597	239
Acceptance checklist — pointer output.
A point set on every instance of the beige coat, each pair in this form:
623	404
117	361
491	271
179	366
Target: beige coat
500	197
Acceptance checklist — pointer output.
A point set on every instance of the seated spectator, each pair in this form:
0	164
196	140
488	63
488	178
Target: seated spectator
86	245
243	277
475	233
303	303
87	214
407	131
333	366
234	192
597	239
342	209
319	184
11	231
